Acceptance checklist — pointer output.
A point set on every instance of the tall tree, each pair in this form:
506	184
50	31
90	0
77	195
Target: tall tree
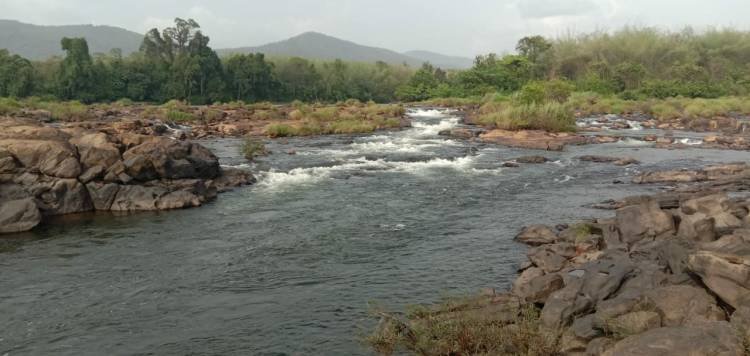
76	78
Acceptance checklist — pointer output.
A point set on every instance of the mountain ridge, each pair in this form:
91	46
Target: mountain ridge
38	42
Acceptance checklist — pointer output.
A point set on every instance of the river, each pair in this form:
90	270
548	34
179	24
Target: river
291	265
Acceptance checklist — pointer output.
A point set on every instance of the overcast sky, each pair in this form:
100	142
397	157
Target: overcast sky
458	27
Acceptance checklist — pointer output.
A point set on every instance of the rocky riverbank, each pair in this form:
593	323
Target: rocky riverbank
56	170
668	274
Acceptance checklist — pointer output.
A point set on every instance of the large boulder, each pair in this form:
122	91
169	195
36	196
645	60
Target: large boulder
552	257
724	267
56	196
682	305
173	159
52	158
539	288
715	339
95	149
18	212
102	194
716	207
643	220
536	235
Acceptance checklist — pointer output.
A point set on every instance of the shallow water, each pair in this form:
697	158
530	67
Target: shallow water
288	266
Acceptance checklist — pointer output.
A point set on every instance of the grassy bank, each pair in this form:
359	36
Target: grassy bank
485	325
280	120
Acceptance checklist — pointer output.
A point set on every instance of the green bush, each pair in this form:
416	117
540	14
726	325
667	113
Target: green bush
252	148
179	116
280	130
552	117
9	106
532	93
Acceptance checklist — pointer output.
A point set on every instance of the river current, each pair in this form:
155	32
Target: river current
291	265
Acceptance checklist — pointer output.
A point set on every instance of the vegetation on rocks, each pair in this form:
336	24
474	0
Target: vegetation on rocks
481	325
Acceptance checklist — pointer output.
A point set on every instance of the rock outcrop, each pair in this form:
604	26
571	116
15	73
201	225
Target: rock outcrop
665	276
47	171
533	139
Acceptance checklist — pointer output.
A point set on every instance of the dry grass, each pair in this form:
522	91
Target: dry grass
472	326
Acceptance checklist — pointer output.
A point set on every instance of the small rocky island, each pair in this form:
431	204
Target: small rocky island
55	170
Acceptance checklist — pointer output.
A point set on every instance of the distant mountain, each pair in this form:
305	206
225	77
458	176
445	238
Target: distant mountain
442	60
314	45
41	42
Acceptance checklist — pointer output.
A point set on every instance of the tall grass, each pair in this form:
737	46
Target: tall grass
552	117
472	326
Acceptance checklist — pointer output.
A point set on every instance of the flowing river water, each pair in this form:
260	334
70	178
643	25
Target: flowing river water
290	265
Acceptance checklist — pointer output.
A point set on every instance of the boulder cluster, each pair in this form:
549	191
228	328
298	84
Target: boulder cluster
655	279
46	171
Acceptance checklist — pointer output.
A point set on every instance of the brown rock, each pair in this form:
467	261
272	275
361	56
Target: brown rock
683	305
716	339
646	219
536	235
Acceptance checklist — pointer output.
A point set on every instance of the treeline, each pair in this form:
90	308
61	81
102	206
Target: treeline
632	63
178	63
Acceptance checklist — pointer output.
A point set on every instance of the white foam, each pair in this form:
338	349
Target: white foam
635	125
564	179
274	180
430	112
628	141
690	141
423	129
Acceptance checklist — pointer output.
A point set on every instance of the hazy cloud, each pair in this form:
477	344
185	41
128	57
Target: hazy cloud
466	27
555	8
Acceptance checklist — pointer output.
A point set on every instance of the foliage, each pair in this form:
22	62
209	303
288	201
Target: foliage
252	148
553	117
469	326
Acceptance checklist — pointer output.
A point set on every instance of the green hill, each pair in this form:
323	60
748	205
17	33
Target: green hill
315	45
41	42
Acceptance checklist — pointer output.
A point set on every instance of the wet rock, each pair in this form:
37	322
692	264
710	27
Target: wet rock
464	133
646	219
102	194
715	338
626	161
176	159
56	196
18	212
511	165
531	159
231	178
95	172
532	139
536	235
598	159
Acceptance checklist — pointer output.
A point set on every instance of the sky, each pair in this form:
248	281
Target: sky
456	27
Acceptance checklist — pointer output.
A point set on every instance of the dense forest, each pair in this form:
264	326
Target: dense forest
178	63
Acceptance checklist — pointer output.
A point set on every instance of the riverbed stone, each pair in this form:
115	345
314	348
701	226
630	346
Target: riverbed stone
715	338
538	288
552	257
18	215
724	267
643	220
683	304
536	235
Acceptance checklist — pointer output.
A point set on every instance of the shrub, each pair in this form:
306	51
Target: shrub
558	90
351	126
179	116
279	130
252	148
531	93
65	110
472	326
9	106
551	117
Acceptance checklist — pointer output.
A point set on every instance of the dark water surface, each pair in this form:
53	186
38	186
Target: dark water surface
288	266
